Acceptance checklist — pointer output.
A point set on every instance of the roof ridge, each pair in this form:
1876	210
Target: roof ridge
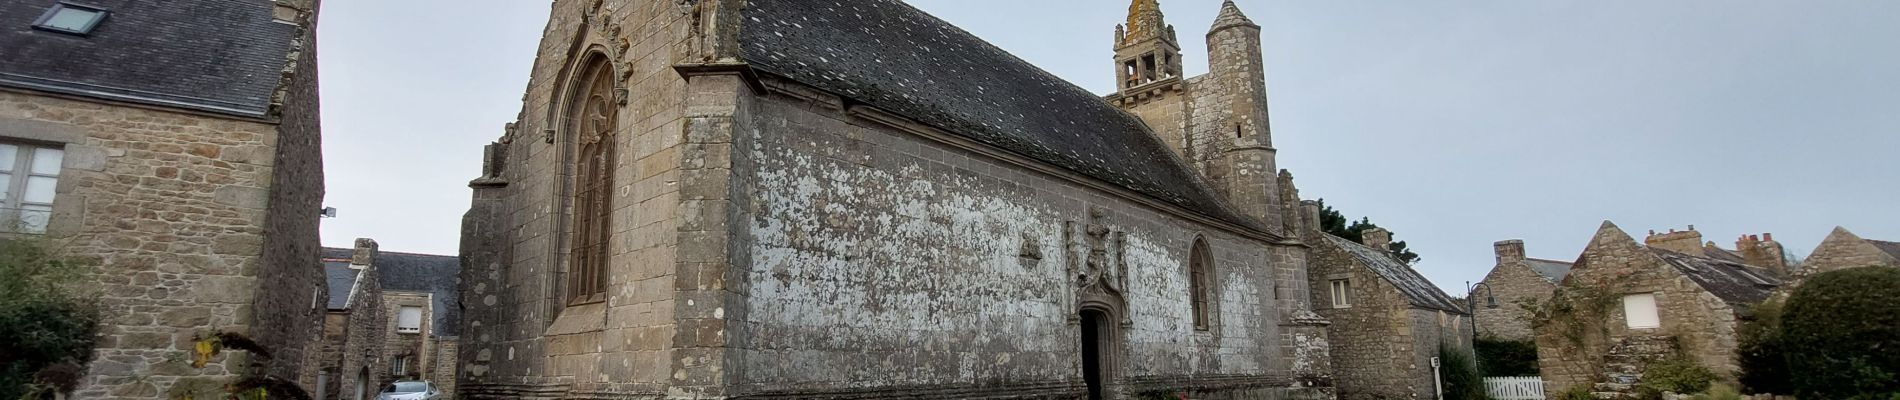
1549	260
381	252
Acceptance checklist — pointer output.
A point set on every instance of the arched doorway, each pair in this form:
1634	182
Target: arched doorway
1097	332
362	384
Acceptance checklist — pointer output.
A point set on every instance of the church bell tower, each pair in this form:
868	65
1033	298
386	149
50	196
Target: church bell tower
1146	50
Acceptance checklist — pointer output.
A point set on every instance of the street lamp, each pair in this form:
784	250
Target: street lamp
1471	305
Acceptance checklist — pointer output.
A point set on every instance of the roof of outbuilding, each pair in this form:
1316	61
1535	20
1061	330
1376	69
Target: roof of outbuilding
1551	270
1417	290
895	57
224	56
1891	248
439	276
1735	283
342	280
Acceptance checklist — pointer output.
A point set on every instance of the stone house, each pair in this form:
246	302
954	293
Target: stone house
415	317
1631	305
1388	322
1515	282
354	328
178	155
771	199
1843	249
421	297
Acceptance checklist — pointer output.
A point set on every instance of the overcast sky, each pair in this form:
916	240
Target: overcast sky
1453	123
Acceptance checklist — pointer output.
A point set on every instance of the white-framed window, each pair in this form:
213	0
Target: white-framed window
409	319
28	174
1342	293
1639	311
399	366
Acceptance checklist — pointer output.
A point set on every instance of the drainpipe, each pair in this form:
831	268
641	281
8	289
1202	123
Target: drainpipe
1438	382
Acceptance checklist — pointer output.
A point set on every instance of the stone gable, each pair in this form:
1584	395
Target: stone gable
1598	348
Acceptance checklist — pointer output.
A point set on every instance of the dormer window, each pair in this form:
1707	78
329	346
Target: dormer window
71	18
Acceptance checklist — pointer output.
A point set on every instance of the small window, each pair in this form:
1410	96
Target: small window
1639	310
71	18
1342	293
28	176
409	320
398	367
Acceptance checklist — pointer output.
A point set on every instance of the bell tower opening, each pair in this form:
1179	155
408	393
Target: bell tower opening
1145	48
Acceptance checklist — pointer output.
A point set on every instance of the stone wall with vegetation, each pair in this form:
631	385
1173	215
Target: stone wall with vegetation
1583	339
171	206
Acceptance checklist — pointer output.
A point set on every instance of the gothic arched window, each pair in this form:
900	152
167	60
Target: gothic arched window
1201	282
591	117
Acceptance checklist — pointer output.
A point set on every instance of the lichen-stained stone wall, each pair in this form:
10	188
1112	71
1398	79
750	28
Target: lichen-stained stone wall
884	261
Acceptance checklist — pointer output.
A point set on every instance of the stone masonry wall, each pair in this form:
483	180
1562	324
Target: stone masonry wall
1841	250
417	346
883	263
355	342
1372	339
1514	284
1702	326
171	207
283	319
442	371
1432	330
518	339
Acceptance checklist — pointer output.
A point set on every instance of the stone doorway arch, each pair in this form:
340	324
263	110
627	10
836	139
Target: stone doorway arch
1099	330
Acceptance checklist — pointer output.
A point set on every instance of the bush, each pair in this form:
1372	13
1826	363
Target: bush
1579	392
46	328
1460	373
1761	354
1499	357
1846	324
1719	392
1676	375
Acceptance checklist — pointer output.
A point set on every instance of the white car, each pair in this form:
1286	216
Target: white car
410	390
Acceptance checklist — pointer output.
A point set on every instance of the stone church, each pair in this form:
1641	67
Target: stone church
775	199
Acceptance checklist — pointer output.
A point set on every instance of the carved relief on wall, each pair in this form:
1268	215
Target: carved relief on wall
1095	260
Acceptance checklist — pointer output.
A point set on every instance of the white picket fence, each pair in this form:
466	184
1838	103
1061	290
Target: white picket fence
1515	388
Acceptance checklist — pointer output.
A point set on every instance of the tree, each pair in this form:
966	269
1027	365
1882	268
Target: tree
1846	325
1334	222
46	327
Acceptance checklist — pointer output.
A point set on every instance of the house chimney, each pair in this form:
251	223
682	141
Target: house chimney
1685	242
364	254
1377	238
1763	251
1509	251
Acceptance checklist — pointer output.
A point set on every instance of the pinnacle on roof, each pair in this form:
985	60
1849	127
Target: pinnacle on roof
1145	22
1230	15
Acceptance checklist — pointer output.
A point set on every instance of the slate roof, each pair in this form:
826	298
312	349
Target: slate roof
1892	248
1417	290
342	280
439	276
222	56
890	55
1551	270
1735	283
1711	251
